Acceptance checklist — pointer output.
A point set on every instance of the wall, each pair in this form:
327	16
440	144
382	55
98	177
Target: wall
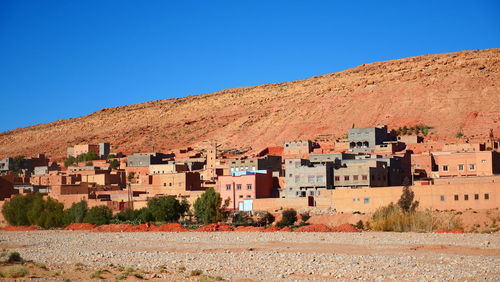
372	198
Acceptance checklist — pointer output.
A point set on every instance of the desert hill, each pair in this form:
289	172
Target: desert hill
454	92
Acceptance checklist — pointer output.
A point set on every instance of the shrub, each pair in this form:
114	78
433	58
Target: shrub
32	209
196	272
69	161
289	217
208	207
90	156
76	213
14	257
359	225
99	215
265	218
392	218
114	164
167	208
460	134
305	216
242	218
14	271
15	210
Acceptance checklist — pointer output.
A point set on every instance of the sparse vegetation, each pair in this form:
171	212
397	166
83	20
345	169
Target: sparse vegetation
14	271
196	272
459	134
114	164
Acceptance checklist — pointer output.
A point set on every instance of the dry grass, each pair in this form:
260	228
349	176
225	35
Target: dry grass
392	218
14	271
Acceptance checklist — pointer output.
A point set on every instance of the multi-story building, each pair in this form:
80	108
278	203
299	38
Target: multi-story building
243	187
456	164
104	149
366	139
361	174
175	183
304	178
145	159
332	157
170	167
6	164
268	162
298	148
397	169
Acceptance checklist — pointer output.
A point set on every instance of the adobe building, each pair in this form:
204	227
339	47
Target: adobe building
397	167
423	165
304	178
170	167
453	164
298	148
145	159
268	162
371	173
243	187
77	150
175	183
364	140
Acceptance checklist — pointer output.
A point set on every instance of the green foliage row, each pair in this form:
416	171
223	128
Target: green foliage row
417	129
33	209
87	157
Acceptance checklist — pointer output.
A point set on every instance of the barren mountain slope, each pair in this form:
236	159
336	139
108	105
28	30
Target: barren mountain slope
451	92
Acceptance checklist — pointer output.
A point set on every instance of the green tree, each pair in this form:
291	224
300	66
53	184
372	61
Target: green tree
289	217
208	207
111	156
167	208
89	156
69	161
76	213
17	164
99	215
114	164
15	210
50	215
405	202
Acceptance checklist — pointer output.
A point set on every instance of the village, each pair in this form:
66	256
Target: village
359	173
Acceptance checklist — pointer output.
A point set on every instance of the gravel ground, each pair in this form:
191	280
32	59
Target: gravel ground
274	256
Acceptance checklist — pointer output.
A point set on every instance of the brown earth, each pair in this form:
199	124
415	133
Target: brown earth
451	92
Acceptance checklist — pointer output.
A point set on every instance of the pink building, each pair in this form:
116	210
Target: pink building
251	185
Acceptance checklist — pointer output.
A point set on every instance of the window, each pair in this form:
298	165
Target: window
460	167
355	177
248	196
445	167
346	178
486	196
476	196
472	167
483	161
164	184
228	187
366	200
289	161
249	186
297	179
297	193
364	177
297	164
310	179
238	186
311	193
319	178
354	199
466	197
373	177
318	193
337	178
290	175
456	197
441	198
241	196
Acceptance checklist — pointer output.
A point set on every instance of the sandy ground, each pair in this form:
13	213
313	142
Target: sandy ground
249	256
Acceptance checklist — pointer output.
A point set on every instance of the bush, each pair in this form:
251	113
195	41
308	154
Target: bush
32	209
392	218
305	216
69	161
265	218
114	164
406	203
14	271
99	215
289	217
242	218
196	272
359	225
208	207
77	212
10	257
167	208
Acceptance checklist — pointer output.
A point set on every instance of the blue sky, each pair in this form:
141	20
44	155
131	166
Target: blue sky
63	59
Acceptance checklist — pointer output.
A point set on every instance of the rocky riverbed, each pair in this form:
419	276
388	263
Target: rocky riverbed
267	256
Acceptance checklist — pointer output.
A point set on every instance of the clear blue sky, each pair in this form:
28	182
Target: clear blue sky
62	59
